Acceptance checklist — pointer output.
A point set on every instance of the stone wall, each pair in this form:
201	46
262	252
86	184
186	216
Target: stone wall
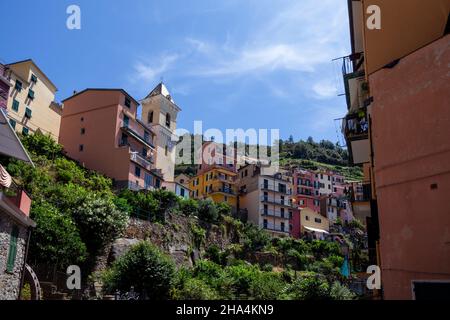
10	282
174	237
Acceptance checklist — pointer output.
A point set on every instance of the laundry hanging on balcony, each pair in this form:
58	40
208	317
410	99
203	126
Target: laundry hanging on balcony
5	178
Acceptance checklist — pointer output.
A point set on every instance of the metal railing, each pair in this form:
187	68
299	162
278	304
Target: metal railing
273	227
136	157
276	189
274	213
222	189
280	202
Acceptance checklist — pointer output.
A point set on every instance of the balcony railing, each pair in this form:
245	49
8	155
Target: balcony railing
224	178
280	202
276	189
352	63
273	227
146	140
274	213
143	162
222	190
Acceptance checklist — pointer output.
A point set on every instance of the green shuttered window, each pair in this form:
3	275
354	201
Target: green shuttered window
12	252
15	105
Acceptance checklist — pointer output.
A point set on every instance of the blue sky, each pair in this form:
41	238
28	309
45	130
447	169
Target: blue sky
231	63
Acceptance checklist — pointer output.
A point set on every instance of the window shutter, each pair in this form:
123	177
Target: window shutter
12	249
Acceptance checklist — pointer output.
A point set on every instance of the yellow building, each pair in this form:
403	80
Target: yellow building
218	184
31	104
313	222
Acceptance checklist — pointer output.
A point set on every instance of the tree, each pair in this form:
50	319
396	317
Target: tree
55	240
189	207
40	144
145	268
310	286
99	221
207	210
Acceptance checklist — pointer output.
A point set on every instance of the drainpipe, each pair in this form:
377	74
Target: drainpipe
22	277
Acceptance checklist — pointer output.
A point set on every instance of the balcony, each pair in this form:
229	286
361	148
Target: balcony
222	190
279	202
274	213
355	127
142	139
273	227
146	163
223	178
276	189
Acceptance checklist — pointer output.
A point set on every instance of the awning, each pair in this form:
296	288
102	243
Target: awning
10	144
315	229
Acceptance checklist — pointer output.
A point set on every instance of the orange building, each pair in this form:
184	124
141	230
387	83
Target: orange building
398	127
100	130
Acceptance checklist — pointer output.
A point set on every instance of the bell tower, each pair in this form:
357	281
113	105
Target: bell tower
159	111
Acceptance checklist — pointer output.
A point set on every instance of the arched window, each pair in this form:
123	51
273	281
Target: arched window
150	117
168	120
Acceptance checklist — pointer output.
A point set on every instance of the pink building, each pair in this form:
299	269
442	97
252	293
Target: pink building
215	154
100	130
305	185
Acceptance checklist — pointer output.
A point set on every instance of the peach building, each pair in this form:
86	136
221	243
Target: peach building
100	130
398	92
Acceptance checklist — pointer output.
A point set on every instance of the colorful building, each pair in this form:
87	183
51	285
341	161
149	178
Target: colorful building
313	224
218	184
100	130
267	197
31	105
397	127
159	111
213	154
305	189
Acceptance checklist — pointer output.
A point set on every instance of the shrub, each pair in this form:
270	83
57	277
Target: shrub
145	268
309	286
242	276
189	207
99	221
55	240
216	255
40	144
68	171
266	286
208	271
198	235
254	238
195	289
207	210
341	292
223	209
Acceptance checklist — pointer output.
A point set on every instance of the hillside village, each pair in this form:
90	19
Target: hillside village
128	162
94	205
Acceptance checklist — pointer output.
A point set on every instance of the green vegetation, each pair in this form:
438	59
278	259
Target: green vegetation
307	154
73	207
145	268
78	214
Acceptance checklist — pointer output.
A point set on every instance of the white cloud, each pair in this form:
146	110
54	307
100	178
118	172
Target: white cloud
300	37
149	72
325	89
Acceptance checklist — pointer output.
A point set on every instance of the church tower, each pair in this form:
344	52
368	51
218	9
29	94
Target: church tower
159	111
